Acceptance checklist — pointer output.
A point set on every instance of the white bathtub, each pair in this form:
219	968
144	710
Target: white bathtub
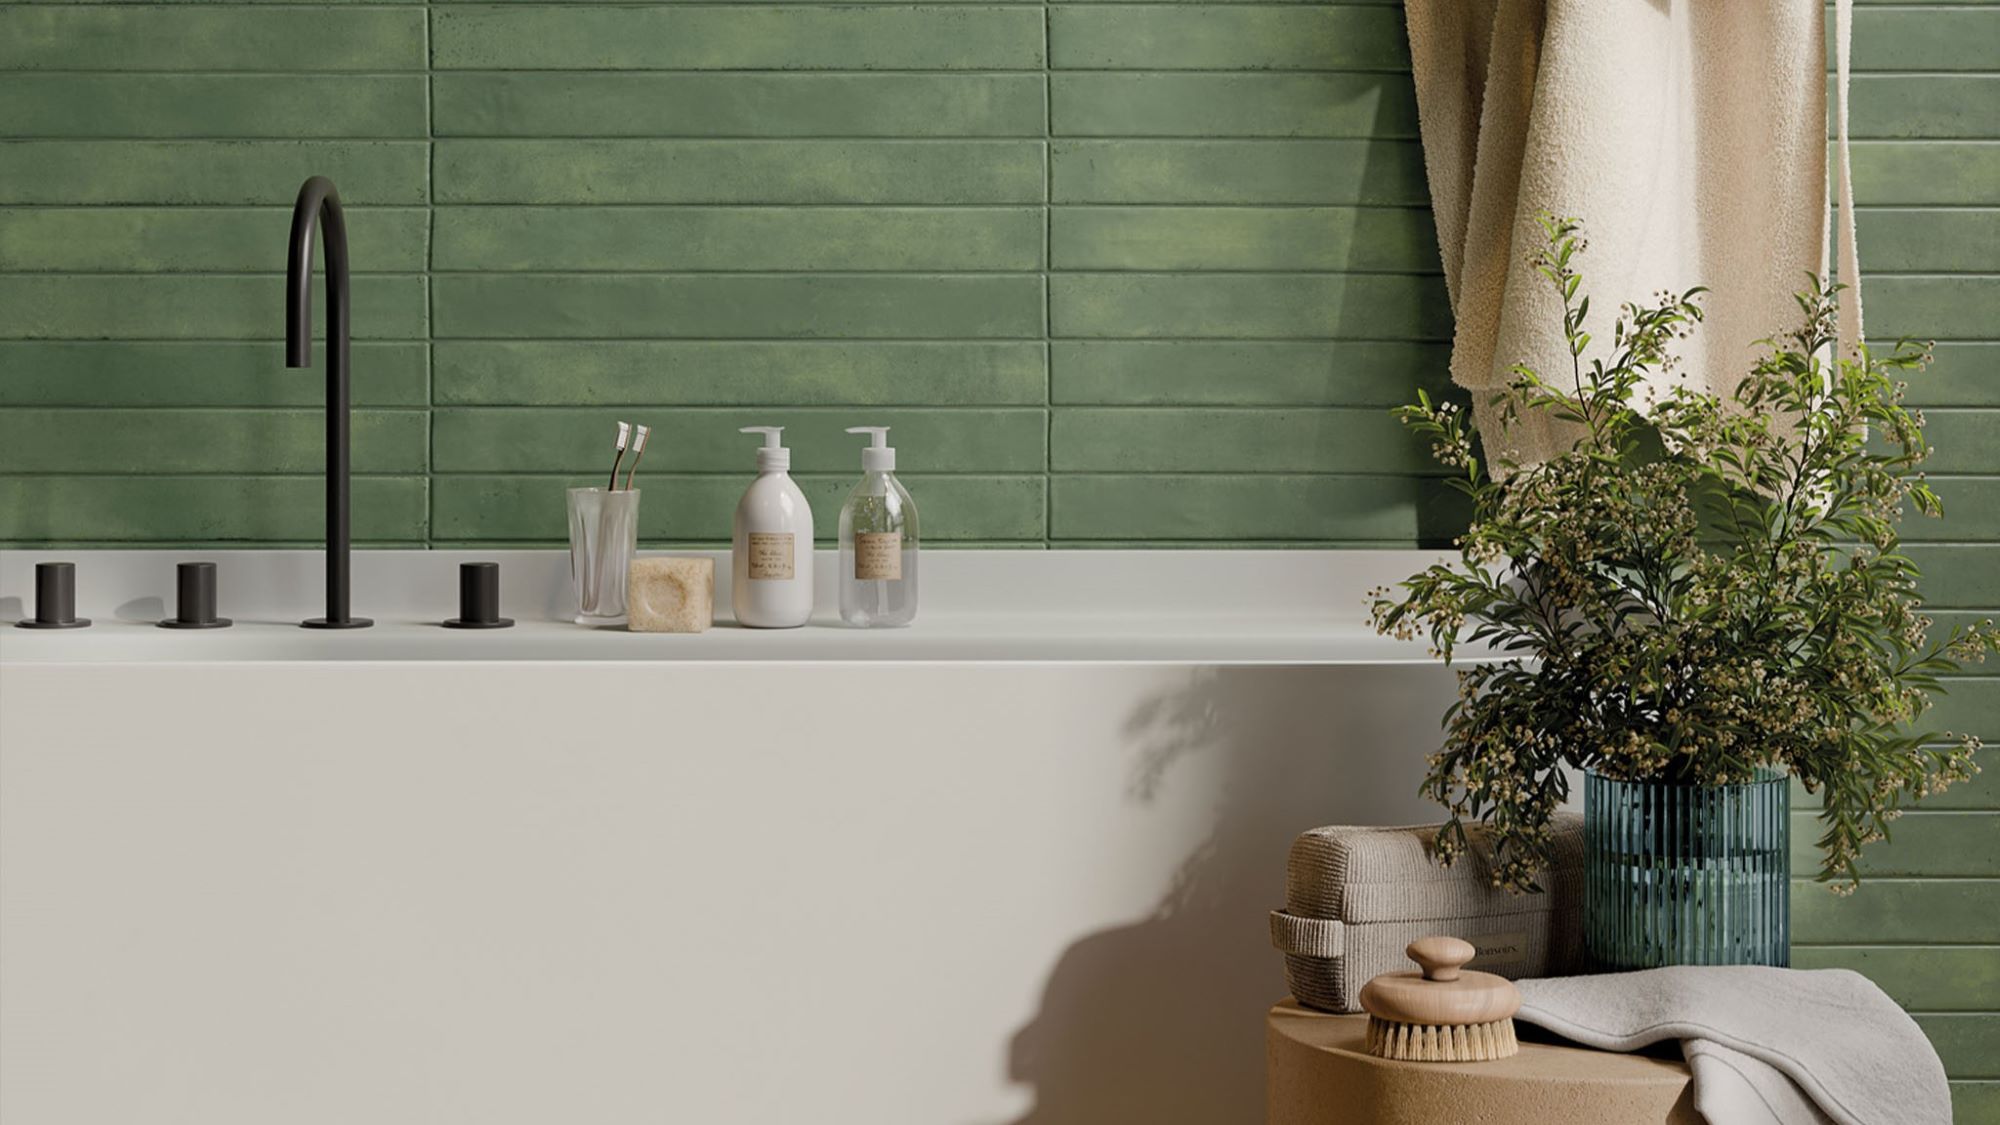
1009	865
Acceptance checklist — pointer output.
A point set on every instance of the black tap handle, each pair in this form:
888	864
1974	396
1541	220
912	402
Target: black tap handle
194	603
479	598
55	598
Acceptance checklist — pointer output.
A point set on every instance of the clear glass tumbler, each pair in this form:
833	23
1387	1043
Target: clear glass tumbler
1687	874
603	534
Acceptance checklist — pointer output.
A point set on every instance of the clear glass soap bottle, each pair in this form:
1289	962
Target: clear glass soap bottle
878	542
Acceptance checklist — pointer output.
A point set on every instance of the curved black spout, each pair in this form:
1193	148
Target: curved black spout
319	205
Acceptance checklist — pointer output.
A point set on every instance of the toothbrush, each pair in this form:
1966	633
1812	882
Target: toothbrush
624	436
638	451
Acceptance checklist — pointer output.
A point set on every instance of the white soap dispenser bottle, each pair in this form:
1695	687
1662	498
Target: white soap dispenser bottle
771	557
878	541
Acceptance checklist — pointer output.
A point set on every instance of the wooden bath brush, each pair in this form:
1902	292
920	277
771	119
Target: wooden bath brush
1446	1013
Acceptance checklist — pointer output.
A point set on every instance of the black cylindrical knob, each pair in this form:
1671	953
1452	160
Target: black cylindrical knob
194	604
55	598
478	597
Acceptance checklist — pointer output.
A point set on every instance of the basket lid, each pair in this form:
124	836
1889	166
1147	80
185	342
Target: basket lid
1387	874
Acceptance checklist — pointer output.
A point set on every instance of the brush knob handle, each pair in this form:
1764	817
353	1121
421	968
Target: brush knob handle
1445	994
1441	957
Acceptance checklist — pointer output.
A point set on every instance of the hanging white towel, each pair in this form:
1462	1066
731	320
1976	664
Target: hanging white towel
1690	136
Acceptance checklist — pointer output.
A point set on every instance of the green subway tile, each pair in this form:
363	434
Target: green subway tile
1231	305
1400	239
1967	1043
1203	37
211	307
1964	440
143	37
1924	173
739	105
185	240
1924	844
123	373
1220	509
1914	240
1898	911
699	509
1932	307
1975	1103
1233	440
210	172
219	509
931	172
939	306
205	441
786	3
1961	374
1980	794
1887	39
1923	106
1967	706
736	238
738	373
1347	3
1925	978
1233	105
1244	373
1239	172
212	105
676	37
1959	575
705	440
1971	512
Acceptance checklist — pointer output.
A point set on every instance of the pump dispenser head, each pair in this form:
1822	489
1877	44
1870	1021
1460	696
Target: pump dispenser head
878	457
772	457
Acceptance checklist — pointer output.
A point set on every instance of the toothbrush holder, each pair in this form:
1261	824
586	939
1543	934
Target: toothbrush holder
603	534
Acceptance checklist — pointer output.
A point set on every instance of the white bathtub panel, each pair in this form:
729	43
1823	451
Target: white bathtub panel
511	892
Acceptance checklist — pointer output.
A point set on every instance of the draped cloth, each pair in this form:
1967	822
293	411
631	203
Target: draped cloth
1689	136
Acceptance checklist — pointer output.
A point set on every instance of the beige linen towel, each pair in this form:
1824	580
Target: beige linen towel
1690	136
1766	1046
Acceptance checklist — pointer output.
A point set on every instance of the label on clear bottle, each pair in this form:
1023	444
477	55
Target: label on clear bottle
770	554
878	556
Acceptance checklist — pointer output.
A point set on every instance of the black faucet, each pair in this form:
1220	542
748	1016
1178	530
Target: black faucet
319	204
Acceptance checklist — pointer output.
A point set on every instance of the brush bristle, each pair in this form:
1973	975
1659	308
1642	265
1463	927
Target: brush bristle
639	439
1411	1042
624	435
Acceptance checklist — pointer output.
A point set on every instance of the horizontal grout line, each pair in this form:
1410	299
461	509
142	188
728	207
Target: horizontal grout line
1020	474
601	339
470	205
210	474
182	271
995	206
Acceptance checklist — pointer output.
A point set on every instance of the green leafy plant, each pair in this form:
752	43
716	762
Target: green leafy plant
1700	587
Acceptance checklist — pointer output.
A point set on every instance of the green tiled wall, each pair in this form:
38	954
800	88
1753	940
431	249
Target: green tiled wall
1115	272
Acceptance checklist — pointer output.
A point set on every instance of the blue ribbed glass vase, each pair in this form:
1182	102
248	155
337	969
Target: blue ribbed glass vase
1687	874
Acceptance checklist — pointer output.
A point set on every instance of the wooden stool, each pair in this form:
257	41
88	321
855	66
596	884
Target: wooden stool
1320	1073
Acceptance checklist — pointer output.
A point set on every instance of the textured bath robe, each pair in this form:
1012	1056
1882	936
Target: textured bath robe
1689	136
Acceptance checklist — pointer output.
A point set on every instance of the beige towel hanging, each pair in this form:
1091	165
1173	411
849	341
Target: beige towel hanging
1690	136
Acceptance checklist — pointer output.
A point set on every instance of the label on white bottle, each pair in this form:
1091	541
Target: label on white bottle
878	556
770	554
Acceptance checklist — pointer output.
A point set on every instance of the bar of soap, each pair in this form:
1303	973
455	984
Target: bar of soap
670	595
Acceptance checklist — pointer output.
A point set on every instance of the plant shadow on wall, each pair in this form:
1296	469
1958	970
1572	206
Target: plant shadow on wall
1160	1021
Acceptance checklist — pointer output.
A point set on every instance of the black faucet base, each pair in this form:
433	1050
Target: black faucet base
330	623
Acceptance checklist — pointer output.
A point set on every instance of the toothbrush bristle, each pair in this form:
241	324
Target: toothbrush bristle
639	441
624	435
